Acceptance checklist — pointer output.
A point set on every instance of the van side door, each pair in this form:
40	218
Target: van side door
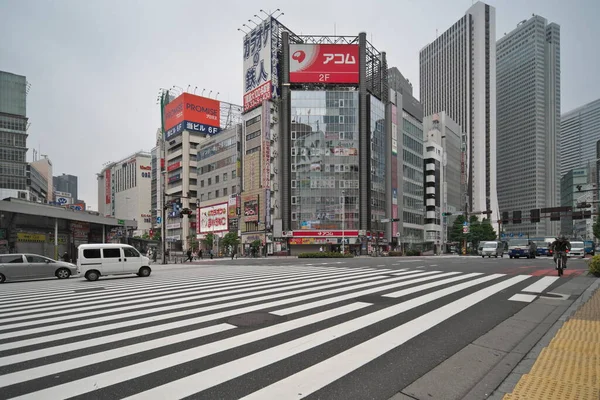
112	261
132	261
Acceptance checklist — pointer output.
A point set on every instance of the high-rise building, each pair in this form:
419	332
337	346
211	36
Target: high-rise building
13	136
44	166
66	184
124	190
580	130
576	189
406	163
458	76
528	108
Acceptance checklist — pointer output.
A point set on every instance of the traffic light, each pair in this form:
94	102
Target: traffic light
577	214
446	214
517	217
505	218
587	214
555	216
151	233
583	205
535	215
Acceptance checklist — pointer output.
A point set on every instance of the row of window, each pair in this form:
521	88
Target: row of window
216	180
12	154
217	193
217	165
217	148
12	139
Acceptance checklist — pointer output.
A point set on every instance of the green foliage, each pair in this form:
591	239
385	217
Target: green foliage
487	230
230	240
478	231
413	253
594	265
156	235
596	228
456	232
326	254
256	244
394	253
209	240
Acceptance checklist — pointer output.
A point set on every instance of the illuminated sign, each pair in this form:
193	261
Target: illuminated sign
324	63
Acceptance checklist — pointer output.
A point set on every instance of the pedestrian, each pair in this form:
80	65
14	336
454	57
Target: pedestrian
154	255
65	257
200	254
211	254
189	255
232	252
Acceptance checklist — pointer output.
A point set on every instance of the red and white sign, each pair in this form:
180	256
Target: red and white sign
256	96
145	168
213	218
325	233
107	186
174	166
324	63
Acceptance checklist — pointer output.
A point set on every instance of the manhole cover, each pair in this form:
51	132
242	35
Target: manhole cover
254	319
95	289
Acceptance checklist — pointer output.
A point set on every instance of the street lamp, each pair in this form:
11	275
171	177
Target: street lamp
343	219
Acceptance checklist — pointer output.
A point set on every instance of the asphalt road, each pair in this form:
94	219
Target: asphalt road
363	328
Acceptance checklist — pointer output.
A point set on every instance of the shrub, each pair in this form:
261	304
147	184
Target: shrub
594	265
394	253
413	252
326	254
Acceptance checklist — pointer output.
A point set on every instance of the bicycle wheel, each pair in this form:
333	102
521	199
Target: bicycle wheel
559	266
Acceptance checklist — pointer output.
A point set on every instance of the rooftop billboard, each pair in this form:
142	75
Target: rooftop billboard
324	63
192	113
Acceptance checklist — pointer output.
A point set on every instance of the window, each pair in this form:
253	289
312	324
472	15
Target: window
202	183
217	192
37	259
91	253
225	177
233	190
111	253
202	197
130	252
224	191
11	259
209	181
233	174
217	180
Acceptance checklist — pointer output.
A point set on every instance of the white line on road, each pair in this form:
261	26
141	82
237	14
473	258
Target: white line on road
320	375
526	298
541	285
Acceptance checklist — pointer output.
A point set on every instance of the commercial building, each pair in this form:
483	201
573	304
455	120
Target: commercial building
156	181
13	136
580	130
528	107
576	189
443	178
188	122
38	185
458	76
124	190
66	184
219	175
405	154
307	99
44	166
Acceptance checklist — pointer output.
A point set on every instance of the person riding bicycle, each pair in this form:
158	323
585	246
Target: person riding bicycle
561	244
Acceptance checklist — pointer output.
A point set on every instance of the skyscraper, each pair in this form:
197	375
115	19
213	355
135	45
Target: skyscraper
67	184
13	136
458	76
529	122
580	130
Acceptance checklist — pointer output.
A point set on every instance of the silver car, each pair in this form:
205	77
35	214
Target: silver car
31	266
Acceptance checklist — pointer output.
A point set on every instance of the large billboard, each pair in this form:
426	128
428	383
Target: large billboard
251	211
107	191
213	218
192	113
257	65
324	63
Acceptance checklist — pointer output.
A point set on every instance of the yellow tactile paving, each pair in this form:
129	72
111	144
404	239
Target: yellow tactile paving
569	368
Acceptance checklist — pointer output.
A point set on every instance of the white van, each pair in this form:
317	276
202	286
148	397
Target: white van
492	249
103	259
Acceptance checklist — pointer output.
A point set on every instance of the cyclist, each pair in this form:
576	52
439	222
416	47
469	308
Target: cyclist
561	244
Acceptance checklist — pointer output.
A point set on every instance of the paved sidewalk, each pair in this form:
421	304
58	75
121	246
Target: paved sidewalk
569	366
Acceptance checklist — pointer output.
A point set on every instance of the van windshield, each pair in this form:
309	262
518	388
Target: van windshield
490	245
577	245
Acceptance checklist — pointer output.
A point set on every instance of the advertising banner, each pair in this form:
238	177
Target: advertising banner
232	205
192	112
63	201
257	65
324	63
107	185
266	148
213	218
80	230
251	212
174	166
394	130
174	178
62	194
77	206
332	233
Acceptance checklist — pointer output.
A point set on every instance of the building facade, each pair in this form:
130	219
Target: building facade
44	166
443	183
124	191
576	187
580	130
13	136
528	63
67	184
458	76
38	185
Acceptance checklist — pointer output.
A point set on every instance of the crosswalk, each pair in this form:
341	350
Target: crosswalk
235	332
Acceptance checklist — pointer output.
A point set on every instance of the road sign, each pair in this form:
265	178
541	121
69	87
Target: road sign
465	223
503	235
121	221
383	221
466	229
512	234
520	234
158	220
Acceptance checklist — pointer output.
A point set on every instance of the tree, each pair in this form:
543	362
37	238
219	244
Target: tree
487	230
193	241
156	235
208	240
230	240
456	232
475	231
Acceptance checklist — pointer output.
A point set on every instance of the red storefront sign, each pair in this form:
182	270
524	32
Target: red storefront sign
325	233
174	166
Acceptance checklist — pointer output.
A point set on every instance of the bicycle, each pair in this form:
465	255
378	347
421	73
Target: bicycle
559	261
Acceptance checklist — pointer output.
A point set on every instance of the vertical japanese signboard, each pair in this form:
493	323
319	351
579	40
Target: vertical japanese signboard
107	185
394	129
266	122
257	65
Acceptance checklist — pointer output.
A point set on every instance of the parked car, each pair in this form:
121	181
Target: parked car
102	259
490	249
20	266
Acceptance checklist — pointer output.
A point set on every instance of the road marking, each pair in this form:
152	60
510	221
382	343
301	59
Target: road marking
432	285
433	265
195	383
540	285
527	298
320	375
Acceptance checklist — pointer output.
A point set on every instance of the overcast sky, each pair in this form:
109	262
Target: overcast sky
96	66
